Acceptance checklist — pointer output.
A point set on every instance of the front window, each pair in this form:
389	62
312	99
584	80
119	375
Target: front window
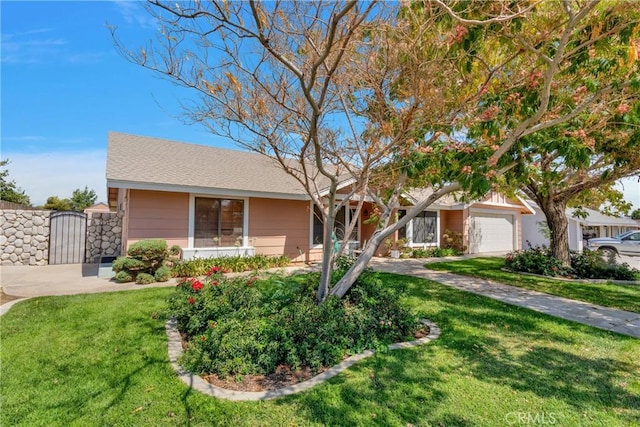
342	222
421	229
218	222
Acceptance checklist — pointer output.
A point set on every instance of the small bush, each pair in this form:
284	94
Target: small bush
151	250
163	274
537	260
199	266
434	253
175	250
591	265
123	277
453	240
145	256
144	279
124	263
585	265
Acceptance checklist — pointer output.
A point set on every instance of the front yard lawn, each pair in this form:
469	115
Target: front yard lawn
101	359
623	297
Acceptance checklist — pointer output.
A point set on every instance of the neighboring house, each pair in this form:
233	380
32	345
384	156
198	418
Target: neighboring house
596	224
217	202
493	224
100	207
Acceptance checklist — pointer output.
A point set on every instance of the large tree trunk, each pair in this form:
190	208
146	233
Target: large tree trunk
558	224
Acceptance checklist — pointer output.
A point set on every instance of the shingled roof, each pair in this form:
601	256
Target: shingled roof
151	163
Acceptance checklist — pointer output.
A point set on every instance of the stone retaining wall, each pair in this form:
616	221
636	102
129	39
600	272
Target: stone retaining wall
104	235
24	237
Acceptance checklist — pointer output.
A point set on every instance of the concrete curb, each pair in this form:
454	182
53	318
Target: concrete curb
6	306
197	383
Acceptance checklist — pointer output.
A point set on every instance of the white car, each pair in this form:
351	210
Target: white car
623	244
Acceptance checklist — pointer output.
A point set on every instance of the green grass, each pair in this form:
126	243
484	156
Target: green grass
624	297
101	359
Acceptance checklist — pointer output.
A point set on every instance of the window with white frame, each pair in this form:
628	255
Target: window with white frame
218	222
422	229
343	218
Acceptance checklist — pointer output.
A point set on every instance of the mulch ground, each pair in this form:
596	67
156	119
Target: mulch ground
4	298
283	377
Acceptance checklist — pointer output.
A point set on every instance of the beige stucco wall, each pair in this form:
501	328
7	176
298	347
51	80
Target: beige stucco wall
278	227
158	215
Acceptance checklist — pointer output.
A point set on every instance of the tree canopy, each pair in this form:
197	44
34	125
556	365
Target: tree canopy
79	201
391	96
9	190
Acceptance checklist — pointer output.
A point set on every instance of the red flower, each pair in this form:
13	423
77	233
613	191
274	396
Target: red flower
214	283
196	285
203	338
192	300
212	324
213	270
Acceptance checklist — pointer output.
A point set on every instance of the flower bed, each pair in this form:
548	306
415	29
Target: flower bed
244	326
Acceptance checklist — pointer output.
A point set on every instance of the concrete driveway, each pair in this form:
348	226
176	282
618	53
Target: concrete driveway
633	261
64	279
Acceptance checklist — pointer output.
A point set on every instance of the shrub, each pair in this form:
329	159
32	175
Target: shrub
537	260
200	266
124	263
434	253
585	265
175	250
123	277
145	256
152	251
453	240
144	279
240	326
591	265
162	274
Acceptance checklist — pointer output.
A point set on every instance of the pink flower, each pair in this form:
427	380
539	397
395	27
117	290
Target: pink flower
623	108
214	283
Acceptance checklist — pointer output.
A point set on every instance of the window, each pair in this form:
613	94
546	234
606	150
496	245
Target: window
340	225
218	222
423	228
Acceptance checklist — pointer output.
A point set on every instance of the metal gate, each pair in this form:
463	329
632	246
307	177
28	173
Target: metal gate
67	239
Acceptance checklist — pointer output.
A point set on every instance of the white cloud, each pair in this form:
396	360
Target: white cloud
630	187
134	14
42	175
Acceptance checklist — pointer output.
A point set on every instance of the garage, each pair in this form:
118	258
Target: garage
490	232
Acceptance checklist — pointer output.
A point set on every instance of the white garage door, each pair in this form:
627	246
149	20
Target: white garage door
491	232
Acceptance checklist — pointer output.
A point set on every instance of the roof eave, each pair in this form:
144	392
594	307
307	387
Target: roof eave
151	186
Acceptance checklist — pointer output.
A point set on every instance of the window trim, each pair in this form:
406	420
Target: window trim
409	231
192	211
347	207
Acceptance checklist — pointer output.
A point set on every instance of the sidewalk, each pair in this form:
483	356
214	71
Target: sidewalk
610	319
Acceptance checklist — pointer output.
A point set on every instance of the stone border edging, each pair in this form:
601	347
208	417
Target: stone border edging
197	383
7	305
564	279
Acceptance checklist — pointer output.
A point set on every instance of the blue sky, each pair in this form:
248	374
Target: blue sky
63	87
